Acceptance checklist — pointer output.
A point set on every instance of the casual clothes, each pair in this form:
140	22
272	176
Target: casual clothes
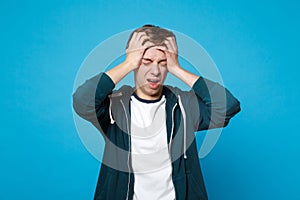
208	105
151	161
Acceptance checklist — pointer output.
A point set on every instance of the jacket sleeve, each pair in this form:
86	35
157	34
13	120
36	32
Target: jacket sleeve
91	101
216	105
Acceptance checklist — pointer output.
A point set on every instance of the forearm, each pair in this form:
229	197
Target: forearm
119	72
134	53
184	75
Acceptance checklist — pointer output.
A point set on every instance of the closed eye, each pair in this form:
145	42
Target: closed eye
163	63
147	60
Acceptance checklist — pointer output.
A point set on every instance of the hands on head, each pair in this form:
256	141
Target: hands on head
139	44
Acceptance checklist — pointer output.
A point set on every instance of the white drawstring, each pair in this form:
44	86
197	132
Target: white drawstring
110	112
184	130
172	129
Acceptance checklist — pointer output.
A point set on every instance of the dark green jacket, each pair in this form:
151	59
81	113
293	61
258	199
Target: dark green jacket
208	105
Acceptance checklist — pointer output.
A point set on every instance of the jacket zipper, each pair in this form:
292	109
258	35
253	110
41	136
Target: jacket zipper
170	142
129	139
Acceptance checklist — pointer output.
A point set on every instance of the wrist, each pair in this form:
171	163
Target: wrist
175	69
130	65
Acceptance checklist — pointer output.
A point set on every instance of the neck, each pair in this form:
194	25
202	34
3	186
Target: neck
142	95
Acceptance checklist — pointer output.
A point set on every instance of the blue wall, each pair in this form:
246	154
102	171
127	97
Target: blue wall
255	46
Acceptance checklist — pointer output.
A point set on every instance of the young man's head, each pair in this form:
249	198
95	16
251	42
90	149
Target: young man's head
151	74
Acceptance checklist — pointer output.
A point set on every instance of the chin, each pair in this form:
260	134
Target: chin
155	92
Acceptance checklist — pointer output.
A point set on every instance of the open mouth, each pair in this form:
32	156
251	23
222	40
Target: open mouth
153	80
153	83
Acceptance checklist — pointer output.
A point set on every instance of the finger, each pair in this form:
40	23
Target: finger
136	45
143	38
170	47
148	44
135	39
132	39
171	39
146	40
144	47
172	42
140	35
162	47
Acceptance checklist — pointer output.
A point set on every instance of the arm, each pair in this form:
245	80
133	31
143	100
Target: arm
216	104
91	101
136	49
173	64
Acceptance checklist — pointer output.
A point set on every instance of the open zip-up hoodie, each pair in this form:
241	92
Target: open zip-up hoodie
208	105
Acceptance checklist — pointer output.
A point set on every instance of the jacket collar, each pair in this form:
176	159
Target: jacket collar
125	92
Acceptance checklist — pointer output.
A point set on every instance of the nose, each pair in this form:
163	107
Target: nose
155	70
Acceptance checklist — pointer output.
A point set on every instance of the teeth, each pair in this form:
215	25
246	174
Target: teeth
153	81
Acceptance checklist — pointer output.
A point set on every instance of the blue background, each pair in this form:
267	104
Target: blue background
255	46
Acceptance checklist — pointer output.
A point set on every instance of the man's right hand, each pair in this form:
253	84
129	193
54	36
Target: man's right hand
136	49
134	54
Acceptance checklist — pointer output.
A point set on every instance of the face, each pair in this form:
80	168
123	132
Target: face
150	76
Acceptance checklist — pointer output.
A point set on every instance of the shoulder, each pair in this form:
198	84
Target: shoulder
123	92
177	91
174	93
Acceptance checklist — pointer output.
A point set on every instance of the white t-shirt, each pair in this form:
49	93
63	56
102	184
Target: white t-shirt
151	161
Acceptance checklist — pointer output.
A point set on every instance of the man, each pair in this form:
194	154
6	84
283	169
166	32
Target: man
150	150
